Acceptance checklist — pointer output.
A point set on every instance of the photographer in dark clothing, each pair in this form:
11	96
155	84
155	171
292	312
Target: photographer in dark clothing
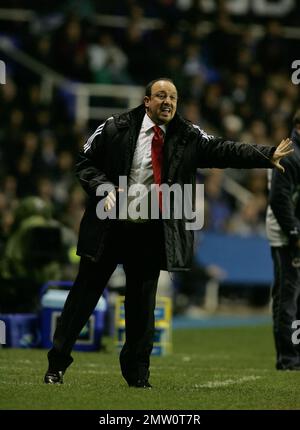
283	229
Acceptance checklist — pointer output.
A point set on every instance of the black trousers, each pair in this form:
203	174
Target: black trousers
286	306
140	248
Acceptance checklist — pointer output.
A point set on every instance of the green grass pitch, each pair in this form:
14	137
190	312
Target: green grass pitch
224	368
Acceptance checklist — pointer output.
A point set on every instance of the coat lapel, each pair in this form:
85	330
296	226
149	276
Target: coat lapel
174	148
131	120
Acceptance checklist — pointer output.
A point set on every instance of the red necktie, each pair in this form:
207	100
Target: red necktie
157	157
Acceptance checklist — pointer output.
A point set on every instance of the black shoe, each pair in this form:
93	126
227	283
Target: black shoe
296	367
140	383
54	377
288	367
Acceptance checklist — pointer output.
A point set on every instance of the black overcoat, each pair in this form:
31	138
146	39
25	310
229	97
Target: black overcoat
109	152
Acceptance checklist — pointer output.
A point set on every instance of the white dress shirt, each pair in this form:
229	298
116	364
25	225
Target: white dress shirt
141	171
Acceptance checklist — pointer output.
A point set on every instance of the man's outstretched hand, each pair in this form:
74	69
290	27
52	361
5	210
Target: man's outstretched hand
284	148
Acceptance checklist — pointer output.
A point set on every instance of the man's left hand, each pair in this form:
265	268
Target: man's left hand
283	149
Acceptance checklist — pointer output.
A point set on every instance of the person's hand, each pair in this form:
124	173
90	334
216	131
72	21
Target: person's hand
110	199
296	255
216	272
283	149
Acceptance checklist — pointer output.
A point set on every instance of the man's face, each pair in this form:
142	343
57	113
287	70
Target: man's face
161	105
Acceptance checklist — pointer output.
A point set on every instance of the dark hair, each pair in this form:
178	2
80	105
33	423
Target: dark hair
150	85
296	119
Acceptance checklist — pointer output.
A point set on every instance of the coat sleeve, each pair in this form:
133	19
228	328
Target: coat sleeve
282	198
220	153
89	166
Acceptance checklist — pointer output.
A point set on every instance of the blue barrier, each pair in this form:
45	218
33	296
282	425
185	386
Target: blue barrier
53	297
245	260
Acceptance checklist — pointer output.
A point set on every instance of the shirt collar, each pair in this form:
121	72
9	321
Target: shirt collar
148	124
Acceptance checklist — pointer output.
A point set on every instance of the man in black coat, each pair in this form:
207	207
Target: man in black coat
283	229
151	144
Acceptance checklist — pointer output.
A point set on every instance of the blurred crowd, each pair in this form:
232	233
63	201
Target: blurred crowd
231	82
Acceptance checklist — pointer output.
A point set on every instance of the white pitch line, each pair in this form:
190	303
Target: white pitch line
9	360
12	368
226	382
12	383
94	372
